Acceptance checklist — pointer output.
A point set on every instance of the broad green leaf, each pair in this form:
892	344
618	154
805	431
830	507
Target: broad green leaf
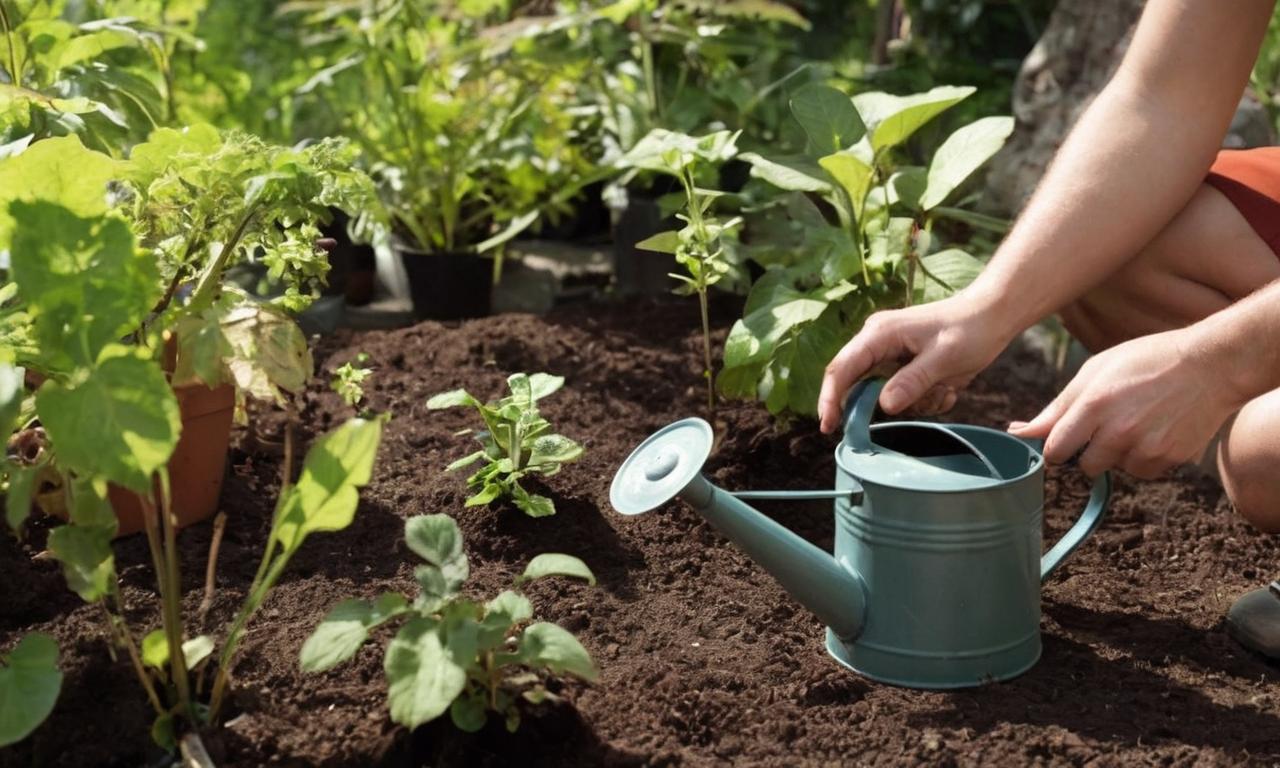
87	560
671	152
511	607
753	337
961	154
434	538
828	118
121	422
452	399
345	628
17	500
551	647
423	679
663	242
532	504
944	273
202	349
543	384
973	219
155	649
440	583
796	173
907	186
468	711
893	119
166	148
553	564
834	249
84	283
487	494
554	449
813	349
268	352
29	686
60	171
765	10
852	174
325	496
890	244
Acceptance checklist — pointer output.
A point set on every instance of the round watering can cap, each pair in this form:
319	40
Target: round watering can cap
661	466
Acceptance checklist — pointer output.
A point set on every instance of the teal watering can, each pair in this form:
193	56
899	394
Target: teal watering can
935	580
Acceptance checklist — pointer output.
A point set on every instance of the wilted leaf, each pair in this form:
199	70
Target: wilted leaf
268	351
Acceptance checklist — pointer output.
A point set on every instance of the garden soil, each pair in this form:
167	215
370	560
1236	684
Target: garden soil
705	661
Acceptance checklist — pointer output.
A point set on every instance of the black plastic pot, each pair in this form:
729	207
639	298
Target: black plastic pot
447	286
639	272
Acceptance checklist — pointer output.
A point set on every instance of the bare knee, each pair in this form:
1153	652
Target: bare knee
1249	460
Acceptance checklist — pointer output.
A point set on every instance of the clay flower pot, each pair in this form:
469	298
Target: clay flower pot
198	463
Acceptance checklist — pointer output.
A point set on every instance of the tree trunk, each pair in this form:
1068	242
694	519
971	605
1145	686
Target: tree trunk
1079	51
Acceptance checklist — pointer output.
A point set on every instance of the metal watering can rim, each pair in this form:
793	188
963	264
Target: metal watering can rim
1034	464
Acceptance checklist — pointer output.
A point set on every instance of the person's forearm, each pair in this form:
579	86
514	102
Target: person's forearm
1240	343
1134	159
1128	167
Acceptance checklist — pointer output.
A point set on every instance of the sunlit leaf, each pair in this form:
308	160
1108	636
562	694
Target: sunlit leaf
552	564
961	154
423	678
551	647
325	496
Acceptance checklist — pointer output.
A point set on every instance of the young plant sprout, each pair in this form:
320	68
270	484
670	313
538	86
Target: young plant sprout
348	381
696	247
452	653
515	443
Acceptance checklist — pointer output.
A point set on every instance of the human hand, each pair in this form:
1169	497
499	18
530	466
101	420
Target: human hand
1144	406
943	345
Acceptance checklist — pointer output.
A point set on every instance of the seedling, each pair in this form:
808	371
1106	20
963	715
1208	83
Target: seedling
697	246
348	381
515	443
452	653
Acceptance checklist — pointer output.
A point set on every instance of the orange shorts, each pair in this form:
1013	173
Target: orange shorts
1250	178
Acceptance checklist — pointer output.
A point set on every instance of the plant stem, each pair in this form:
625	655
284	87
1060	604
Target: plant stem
212	278
211	570
706	351
125	638
15	76
172	601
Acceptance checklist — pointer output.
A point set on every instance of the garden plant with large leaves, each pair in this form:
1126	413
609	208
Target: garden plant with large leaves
451	653
852	234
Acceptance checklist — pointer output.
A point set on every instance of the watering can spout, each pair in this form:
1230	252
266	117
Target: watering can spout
814	578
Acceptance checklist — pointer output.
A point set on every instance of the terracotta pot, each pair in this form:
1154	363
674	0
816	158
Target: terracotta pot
198	463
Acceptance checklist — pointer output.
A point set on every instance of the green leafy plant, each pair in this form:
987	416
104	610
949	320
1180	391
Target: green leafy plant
84	69
452	653
697	246
855	234
29	686
348	381
88	308
469	137
516	442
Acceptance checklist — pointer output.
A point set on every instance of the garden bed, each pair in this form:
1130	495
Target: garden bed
704	659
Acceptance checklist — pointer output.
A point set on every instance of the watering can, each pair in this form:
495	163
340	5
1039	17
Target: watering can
935	579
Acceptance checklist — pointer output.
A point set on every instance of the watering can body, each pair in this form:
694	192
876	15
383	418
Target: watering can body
935	577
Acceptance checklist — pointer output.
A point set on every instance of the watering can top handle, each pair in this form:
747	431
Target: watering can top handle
859	407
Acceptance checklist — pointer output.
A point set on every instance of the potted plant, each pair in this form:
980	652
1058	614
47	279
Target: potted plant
141	247
467	136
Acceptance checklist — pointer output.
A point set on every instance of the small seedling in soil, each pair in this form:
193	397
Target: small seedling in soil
348	381
697	246
452	653
515	443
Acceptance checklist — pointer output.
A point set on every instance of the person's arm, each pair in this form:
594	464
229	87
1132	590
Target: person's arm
1155	402
1133	160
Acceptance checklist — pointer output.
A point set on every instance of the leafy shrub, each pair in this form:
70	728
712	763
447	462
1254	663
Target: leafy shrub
515	443
452	653
853	235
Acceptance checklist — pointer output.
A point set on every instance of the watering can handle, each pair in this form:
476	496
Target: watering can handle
859	407
1093	512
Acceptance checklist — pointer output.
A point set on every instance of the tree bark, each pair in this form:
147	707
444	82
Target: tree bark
1081	47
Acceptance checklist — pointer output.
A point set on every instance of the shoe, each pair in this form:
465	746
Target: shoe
1254	620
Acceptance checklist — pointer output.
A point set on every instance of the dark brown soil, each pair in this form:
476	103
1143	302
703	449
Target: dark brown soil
705	660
